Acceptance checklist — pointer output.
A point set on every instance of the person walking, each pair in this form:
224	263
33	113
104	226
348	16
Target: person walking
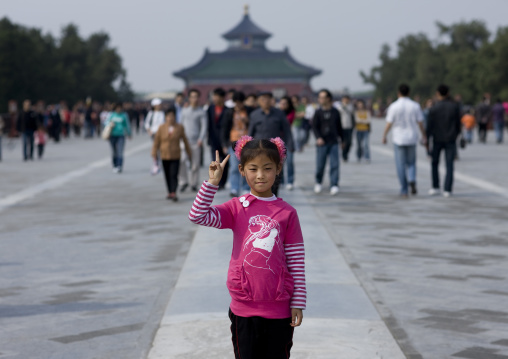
55	123
194	120
307	121
215	114
167	142
27	124
266	276
40	141
269	122
134	116
65	115
117	138
405	116
178	103
327	128
235	125
286	105
347	118
443	127
153	120
298	124
498	113
469	123
89	119
483	115
362	128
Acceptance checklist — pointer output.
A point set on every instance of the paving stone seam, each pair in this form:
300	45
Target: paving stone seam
372	293
60	180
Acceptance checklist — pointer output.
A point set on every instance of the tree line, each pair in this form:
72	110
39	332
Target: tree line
465	57
39	66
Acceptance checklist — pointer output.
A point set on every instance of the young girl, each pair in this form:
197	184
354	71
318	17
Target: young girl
266	276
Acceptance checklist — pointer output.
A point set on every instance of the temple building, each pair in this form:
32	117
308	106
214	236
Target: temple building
247	65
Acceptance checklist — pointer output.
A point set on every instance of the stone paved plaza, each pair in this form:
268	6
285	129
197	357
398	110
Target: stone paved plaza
99	265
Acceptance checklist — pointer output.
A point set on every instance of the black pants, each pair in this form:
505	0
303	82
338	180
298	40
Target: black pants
28	145
450	149
261	338
482	132
171	174
40	150
347	141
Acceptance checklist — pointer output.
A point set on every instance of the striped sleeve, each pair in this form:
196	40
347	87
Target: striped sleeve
295	259
203	213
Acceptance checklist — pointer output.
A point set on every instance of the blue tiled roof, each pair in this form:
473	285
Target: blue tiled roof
246	27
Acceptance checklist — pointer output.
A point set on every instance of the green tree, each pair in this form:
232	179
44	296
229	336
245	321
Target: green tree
39	67
462	57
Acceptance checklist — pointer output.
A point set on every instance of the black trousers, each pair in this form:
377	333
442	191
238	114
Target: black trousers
482	132
171	174
348	141
40	150
261	338
450	149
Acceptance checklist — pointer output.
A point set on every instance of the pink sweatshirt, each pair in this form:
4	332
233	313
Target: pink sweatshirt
266	275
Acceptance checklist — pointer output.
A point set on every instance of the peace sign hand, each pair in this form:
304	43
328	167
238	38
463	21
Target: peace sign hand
216	169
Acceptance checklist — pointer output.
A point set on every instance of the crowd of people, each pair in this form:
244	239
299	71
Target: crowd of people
182	128
335	124
37	123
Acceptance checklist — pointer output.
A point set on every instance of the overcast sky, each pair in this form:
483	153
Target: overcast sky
157	37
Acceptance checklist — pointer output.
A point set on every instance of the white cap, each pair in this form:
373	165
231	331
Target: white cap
156	102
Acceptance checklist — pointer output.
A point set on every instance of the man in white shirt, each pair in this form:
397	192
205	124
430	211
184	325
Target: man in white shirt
405	116
153	120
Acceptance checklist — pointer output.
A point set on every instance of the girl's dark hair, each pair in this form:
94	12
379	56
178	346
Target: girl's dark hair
172	110
254	148
238	96
291	106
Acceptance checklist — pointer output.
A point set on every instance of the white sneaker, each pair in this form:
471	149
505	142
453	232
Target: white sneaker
433	191
446	194
289	187
334	190
115	169
317	188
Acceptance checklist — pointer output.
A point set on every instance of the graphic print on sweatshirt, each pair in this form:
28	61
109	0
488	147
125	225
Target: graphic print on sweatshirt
262	275
264	235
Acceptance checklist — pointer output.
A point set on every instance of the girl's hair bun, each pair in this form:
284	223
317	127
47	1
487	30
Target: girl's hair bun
281	146
240	144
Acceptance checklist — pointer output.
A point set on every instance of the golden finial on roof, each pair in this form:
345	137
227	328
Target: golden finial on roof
246	9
